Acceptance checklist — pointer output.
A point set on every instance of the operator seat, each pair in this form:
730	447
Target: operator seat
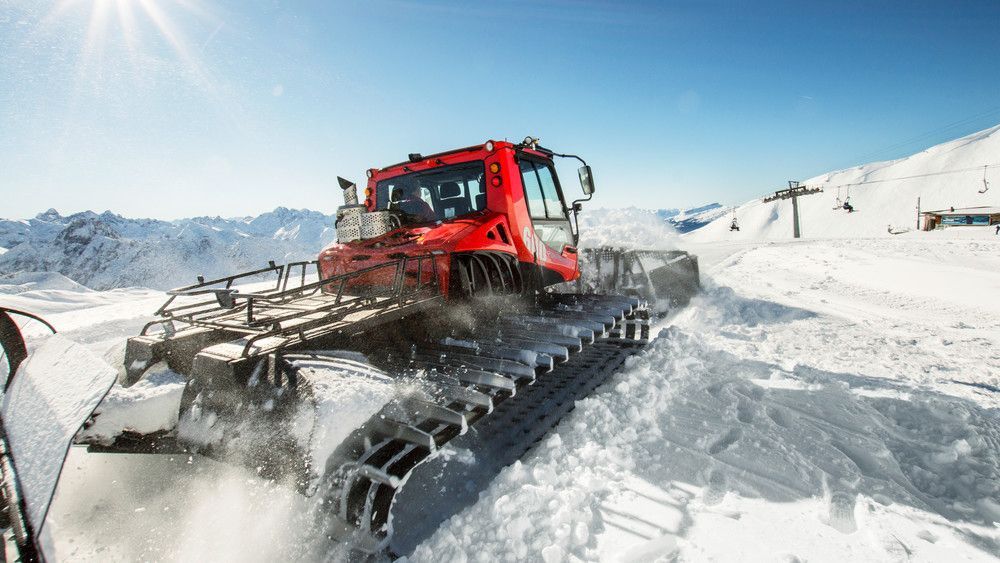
452	201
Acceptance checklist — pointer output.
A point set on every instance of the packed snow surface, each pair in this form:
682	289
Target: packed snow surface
822	400
883	194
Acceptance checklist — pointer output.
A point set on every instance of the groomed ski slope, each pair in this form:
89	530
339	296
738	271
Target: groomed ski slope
822	401
942	176
817	403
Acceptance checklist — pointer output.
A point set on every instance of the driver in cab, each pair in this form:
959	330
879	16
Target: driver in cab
406	199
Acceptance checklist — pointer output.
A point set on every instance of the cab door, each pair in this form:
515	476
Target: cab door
552	241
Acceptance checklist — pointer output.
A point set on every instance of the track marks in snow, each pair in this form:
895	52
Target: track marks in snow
770	435
778	416
842	512
723	442
866	463
715	491
744	411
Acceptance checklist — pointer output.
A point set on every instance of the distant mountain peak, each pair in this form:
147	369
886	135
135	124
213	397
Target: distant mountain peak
50	215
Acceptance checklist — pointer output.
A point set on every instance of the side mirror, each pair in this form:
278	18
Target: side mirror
586	179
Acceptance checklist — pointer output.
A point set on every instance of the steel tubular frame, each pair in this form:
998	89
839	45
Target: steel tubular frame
262	314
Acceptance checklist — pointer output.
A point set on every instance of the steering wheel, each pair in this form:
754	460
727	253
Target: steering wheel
396	216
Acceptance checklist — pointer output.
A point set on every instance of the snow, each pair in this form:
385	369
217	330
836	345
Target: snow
152	404
20	282
630	228
695	218
341	400
890	200
772	421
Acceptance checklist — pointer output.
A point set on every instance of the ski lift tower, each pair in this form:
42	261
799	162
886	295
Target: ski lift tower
794	190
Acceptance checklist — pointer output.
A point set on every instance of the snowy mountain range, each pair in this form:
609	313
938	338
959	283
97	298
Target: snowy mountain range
687	220
884	195
106	250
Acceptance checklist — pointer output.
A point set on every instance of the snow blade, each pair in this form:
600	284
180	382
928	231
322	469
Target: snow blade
666	276
56	390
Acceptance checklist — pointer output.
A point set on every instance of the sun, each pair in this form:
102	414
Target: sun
125	21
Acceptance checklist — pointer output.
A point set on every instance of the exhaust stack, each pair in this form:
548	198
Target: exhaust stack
355	222
350	191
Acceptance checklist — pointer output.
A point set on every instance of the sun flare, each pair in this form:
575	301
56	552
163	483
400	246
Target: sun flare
137	25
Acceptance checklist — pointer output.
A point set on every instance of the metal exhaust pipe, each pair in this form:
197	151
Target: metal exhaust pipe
350	191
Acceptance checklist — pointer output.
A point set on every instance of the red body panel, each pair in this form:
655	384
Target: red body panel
505	225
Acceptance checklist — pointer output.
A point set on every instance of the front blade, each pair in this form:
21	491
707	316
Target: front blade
667	276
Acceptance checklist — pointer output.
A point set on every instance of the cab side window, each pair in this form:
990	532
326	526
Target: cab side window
553	205
540	191
546	208
532	189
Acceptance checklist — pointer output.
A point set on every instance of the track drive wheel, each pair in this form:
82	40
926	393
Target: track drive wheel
482	274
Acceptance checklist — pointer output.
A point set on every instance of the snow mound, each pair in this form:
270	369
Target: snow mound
888	200
20	282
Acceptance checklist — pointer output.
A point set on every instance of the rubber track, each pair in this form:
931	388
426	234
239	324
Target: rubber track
441	488
364	478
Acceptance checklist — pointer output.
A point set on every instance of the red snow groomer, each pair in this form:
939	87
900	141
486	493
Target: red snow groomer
456	296
494	217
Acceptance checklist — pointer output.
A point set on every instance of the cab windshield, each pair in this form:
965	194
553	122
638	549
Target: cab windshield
434	195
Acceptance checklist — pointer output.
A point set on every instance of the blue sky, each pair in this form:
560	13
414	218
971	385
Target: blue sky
172	108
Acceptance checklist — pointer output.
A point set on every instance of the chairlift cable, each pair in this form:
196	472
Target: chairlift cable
928	174
909	141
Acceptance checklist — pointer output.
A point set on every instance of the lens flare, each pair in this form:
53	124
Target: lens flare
120	22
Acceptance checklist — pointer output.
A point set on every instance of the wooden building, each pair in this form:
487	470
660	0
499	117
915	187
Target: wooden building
961	217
